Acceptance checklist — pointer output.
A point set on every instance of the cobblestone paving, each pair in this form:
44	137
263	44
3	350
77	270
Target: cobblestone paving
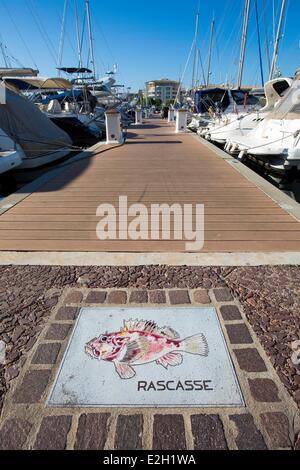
271	302
257	307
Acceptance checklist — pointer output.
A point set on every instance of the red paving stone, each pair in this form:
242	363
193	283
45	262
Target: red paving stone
74	297
208	432
250	360
96	297
264	390
14	434
169	432
46	353
248	436
32	386
179	297
53	433
230	312
223	295
239	334
278	429
67	313
201	297
139	297
157	297
92	431
57	331
117	297
129	432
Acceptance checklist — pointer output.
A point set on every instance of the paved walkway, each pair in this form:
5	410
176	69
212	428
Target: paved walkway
41	305
155	166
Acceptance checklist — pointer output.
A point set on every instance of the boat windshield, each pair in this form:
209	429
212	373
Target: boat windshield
289	106
211	99
239	98
281	86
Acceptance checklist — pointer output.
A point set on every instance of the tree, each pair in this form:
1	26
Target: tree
169	102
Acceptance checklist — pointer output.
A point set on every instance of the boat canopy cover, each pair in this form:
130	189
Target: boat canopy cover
39	83
10	72
211	97
70	96
29	127
74	70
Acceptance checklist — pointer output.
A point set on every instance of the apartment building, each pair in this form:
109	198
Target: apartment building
163	89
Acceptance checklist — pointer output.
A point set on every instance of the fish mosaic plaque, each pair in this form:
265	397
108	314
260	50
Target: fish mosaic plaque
146	357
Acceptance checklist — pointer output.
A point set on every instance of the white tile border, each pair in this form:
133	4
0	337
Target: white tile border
36	258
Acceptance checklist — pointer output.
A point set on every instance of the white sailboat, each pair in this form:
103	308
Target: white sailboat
221	106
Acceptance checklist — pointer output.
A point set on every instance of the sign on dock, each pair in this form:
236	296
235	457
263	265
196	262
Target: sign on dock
147	357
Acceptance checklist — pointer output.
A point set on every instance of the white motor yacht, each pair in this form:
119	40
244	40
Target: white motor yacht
233	105
217	107
275	142
274	91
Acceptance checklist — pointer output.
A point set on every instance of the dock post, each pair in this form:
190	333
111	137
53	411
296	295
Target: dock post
181	121
2	94
138	117
114	133
171	115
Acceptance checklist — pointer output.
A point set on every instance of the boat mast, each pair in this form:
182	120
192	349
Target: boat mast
244	42
259	46
195	50
202	67
210	50
197	69
62	37
78	34
266	35
87	3
278	37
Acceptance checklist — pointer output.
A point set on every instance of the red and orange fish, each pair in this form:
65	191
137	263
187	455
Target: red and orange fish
141	342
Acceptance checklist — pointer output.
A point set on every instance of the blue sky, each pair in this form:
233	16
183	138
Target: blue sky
148	40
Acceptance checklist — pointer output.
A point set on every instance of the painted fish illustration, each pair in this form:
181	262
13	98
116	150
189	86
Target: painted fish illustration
141	342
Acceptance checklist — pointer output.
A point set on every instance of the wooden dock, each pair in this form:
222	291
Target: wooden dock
154	166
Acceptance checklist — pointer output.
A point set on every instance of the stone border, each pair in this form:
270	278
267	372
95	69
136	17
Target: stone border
270	419
36	258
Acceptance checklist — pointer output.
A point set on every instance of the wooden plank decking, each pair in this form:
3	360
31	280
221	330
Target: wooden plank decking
155	166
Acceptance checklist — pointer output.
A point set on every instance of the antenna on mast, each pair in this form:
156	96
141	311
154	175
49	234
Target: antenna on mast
244	42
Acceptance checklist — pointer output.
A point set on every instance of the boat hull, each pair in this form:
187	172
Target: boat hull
42	160
9	160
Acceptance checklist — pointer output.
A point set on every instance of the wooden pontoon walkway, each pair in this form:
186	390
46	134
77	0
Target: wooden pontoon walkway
154	166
